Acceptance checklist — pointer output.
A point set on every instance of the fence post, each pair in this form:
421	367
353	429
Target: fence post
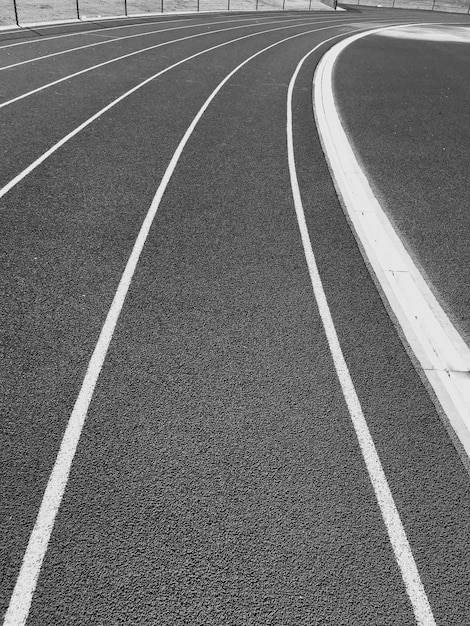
283	4
228	5
15	8
78	9
256	5
161	6
125	8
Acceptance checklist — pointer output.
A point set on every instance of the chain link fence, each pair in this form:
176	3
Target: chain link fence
449	6
22	12
36	11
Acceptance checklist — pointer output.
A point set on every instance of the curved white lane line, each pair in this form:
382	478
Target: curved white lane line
388	509
86	32
443	355
194	15
144	34
141	51
14	181
21	598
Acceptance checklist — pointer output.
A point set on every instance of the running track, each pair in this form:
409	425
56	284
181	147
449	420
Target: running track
218	478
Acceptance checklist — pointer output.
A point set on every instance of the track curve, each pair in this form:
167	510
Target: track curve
217	478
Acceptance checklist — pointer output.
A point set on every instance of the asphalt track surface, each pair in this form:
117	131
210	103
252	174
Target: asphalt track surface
218	478
412	134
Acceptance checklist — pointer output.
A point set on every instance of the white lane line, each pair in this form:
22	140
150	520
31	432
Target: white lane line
95	44
20	601
12	183
136	52
105	29
390	515
443	356
86	32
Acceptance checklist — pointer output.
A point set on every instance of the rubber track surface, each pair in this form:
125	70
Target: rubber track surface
218	478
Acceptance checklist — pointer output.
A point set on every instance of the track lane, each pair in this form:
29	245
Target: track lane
69	68
21	143
84	27
391	517
428	480
190	262
88	96
18	62
56	300
234	390
83	30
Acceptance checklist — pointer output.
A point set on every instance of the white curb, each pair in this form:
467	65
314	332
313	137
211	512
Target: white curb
443	356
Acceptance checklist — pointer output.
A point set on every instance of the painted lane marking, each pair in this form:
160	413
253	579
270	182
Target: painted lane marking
86	32
12	183
262	15
442	354
108	28
20	602
125	37
390	515
136	52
